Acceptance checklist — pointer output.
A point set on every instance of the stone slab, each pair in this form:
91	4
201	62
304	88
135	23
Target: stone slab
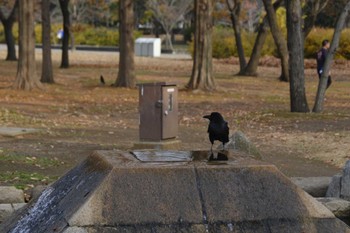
17	206
253	193
36	191
113	191
6	210
338	206
240	142
10	194
315	186
345	182
16	131
152	194
334	187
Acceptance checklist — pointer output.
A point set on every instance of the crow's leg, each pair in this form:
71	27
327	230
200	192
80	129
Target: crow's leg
211	148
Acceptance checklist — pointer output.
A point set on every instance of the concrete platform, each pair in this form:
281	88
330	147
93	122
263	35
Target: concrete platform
114	191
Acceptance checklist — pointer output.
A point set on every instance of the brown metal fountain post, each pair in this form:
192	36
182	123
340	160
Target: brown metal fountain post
158	108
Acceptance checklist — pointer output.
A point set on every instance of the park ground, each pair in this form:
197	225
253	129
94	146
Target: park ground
77	115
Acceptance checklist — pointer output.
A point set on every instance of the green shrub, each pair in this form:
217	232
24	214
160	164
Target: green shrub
38	31
269	48
2	34
223	48
344	44
314	42
83	34
99	36
248	40
224	44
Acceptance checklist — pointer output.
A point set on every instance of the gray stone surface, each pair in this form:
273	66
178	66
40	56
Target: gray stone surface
265	194
345	182
10	194
6	210
339	207
15	131
17	206
112	191
334	187
238	141
36	191
315	186
151	196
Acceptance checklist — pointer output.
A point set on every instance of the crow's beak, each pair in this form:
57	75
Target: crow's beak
207	116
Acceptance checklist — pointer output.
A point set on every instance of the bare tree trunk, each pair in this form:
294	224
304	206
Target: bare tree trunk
321	91
46	74
278	38
235	10
202	75
26	78
168	42
66	28
126	74
10	41
296	57
252	67
8	25
72	41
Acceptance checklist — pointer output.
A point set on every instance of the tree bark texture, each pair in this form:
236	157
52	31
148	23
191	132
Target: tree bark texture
296	57
278	38
46	74
26	77
321	91
252	66
235	10
126	74
66	28
202	71
9	38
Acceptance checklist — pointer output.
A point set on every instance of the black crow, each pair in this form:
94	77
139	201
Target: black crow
102	81
218	129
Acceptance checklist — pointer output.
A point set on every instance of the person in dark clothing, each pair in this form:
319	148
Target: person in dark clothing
321	58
